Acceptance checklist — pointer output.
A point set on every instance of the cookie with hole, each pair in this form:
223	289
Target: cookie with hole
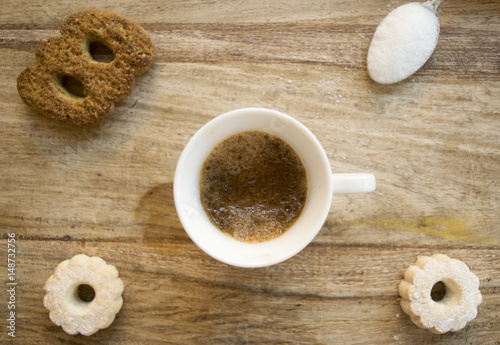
83	295
440	294
73	84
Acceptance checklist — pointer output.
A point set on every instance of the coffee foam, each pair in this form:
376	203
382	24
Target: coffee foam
253	186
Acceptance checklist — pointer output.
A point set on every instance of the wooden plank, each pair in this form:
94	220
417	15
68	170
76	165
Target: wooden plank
431	141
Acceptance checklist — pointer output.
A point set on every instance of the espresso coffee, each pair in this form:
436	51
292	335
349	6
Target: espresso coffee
253	186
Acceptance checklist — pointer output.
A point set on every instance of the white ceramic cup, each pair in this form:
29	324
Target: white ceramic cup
322	184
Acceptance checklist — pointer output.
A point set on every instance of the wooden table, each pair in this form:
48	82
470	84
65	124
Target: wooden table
432	141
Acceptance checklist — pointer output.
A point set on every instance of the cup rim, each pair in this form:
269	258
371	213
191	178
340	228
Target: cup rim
184	214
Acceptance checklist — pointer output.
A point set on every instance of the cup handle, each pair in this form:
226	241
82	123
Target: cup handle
353	183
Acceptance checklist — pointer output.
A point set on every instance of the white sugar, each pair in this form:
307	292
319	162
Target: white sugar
402	43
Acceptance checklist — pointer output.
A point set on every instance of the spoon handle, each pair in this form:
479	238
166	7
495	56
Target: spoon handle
432	4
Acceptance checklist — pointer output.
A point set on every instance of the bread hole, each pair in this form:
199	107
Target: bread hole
85	293
73	86
438	291
99	51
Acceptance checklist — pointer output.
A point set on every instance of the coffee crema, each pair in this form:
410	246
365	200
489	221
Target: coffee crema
253	186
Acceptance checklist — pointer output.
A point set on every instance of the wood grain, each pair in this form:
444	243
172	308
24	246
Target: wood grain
432	142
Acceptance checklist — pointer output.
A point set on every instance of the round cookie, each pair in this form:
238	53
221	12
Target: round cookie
41	86
66	306
459	303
